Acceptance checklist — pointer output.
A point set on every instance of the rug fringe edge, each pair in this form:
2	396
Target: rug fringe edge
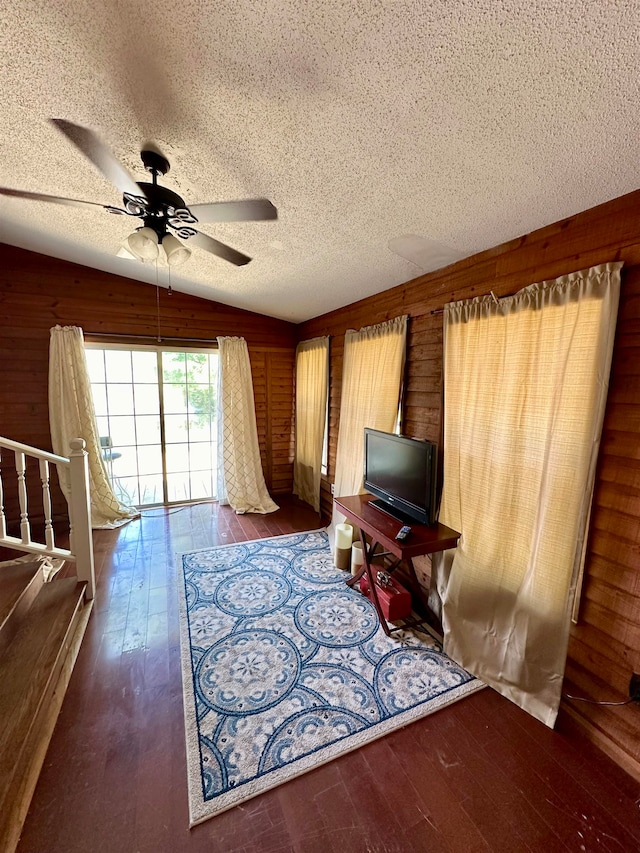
307	764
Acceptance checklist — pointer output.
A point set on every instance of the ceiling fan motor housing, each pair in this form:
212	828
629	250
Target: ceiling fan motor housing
160	205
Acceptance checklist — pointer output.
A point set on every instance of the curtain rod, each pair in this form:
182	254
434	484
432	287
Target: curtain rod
496	299
156	338
211	342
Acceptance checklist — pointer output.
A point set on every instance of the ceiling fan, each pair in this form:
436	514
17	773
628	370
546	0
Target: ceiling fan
161	210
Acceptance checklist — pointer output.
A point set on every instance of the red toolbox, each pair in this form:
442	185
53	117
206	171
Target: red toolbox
394	599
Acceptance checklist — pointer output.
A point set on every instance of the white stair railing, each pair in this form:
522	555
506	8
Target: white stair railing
80	538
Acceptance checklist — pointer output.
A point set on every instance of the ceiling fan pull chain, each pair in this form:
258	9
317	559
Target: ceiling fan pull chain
158	302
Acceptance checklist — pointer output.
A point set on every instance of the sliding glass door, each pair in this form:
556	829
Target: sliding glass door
156	411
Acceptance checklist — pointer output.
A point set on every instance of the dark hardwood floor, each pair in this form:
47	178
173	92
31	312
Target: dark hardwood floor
480	775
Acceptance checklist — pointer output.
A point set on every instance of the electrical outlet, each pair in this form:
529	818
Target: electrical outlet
333	488
634	687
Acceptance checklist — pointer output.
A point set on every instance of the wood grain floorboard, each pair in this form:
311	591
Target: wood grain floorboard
480	775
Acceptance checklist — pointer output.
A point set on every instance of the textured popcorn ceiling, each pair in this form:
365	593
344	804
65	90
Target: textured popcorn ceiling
460	123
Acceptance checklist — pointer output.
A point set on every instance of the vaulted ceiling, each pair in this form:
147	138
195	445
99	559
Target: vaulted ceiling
393	137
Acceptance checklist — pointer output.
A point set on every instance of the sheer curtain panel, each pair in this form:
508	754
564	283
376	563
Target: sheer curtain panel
72	415
526	381
371	384
240	477
312	376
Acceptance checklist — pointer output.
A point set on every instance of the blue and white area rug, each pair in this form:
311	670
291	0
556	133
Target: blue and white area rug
285	668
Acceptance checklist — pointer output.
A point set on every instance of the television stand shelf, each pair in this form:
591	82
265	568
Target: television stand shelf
381	529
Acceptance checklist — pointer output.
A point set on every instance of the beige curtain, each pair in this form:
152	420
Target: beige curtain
240	477
525	391
312	377
72	415
371	384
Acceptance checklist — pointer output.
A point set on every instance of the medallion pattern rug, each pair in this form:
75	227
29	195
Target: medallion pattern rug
284	668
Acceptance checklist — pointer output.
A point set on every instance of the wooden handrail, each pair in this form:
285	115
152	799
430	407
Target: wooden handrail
33	451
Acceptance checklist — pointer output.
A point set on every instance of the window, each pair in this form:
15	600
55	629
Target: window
156	412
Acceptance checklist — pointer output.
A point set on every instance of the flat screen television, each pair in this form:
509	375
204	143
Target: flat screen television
401	473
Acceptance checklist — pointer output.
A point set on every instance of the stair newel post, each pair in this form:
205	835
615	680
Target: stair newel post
80	515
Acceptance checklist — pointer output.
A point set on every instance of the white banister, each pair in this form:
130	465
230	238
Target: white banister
81	540
80	515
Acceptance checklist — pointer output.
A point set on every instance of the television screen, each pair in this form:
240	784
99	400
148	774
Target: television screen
401	473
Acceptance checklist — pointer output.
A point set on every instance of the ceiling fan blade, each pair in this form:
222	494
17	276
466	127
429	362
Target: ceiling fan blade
250	209
54	199
90	144
203	241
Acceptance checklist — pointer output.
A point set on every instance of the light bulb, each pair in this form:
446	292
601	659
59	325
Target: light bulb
174	250
144	244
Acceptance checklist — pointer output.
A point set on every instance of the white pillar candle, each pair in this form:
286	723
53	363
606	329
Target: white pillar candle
342	549
357	557
344	535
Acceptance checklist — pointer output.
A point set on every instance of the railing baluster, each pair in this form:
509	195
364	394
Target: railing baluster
46	503
21	468
3	520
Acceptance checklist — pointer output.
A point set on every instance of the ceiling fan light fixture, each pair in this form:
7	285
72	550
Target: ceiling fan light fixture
175	251
144	244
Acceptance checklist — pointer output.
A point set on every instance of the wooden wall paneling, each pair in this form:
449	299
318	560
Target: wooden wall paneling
261	403
614	600
611	470
272	371
625	527
603	543
280	379
48	290
592	657
615	628
610	651
624	578
623	417
621	444
625	394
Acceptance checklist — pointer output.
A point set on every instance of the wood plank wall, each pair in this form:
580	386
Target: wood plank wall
38	292
605	645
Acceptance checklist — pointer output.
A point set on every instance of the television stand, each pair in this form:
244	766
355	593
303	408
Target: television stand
381	529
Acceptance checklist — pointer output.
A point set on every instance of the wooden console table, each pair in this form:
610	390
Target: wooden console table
382	529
